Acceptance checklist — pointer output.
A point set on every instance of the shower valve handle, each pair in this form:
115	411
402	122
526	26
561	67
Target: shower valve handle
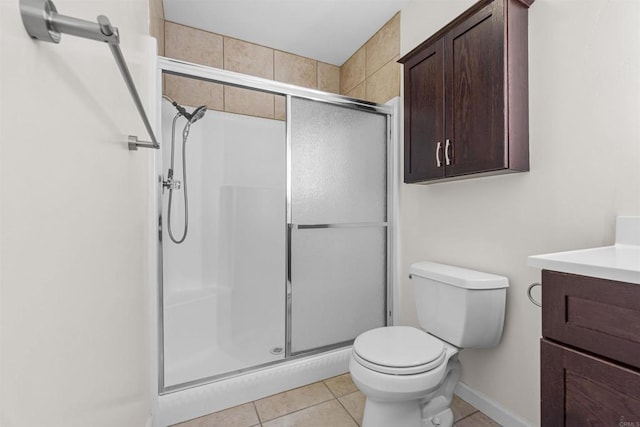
170	184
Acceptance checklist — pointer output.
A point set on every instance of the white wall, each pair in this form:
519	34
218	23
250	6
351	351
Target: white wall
584	72
74	331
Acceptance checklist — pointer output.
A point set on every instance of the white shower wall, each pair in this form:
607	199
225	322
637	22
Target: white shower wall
225	284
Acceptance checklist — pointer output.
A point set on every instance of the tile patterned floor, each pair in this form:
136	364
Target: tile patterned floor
335	402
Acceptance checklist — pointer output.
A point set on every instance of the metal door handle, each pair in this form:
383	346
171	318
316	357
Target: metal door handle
446	152
338	225
438	148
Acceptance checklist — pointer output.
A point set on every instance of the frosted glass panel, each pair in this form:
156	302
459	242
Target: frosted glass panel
338	164
338	288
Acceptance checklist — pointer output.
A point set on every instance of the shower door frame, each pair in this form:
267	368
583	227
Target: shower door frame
215	75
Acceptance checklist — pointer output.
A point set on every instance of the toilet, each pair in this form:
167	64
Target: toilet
407	374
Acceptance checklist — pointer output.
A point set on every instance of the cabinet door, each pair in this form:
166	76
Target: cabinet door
474	81
597	315
582	390
424	115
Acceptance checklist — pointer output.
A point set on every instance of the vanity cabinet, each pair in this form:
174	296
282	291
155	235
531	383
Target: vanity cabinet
590	351
466	96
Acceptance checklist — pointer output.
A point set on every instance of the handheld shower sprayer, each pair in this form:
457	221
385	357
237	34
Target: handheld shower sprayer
170	183
197	114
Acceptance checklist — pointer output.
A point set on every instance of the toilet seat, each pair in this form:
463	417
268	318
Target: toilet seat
398	350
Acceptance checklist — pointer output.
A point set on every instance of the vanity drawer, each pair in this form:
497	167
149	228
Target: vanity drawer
597	315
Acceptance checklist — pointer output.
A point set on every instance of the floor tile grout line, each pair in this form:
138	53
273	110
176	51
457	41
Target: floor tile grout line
299	410
467	416
345	408
287	391
255	409
330	391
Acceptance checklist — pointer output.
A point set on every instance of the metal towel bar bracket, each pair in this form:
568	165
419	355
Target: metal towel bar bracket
43	22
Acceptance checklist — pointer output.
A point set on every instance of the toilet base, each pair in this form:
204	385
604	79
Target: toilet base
443	419
431	410
402	414
396	414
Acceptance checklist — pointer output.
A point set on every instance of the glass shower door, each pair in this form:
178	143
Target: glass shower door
223	287
338	227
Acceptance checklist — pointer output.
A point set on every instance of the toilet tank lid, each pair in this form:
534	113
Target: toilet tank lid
457	276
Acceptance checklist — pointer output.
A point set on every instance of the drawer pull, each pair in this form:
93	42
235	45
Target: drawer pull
438	148
446	152
533	301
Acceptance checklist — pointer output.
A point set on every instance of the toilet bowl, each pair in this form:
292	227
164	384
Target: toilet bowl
399	367
407	374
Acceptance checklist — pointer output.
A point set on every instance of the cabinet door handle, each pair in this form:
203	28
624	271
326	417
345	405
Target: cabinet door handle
447	146
438	148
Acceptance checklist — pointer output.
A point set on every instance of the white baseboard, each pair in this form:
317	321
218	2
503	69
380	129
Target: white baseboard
489	407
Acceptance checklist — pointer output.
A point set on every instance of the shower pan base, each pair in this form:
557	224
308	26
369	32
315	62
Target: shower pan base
198	401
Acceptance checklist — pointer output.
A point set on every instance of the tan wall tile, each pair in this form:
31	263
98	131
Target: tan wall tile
352	72
294	69
248	58
357	92
192	92
156	23
328	77
189	44
156	9
156	30
248	102
383	46
385	83
280	106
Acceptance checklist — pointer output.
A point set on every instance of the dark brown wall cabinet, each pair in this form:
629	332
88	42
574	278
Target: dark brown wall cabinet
590	351
466	96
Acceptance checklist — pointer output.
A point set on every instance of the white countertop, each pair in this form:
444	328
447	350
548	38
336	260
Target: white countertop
617	262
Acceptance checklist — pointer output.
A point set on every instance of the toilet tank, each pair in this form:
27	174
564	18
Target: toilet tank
460	306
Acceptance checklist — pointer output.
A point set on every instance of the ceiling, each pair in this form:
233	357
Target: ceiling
326	30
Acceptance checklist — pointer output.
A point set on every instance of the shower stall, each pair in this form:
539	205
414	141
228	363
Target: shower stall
288	253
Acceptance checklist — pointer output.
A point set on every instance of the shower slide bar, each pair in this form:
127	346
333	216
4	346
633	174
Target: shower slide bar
43	22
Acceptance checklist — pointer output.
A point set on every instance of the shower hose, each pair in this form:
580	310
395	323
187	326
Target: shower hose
185	135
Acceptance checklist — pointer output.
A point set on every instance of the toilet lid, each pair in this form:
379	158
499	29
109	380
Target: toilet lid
400	350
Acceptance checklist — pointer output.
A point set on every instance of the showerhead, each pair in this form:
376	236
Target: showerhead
197	114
